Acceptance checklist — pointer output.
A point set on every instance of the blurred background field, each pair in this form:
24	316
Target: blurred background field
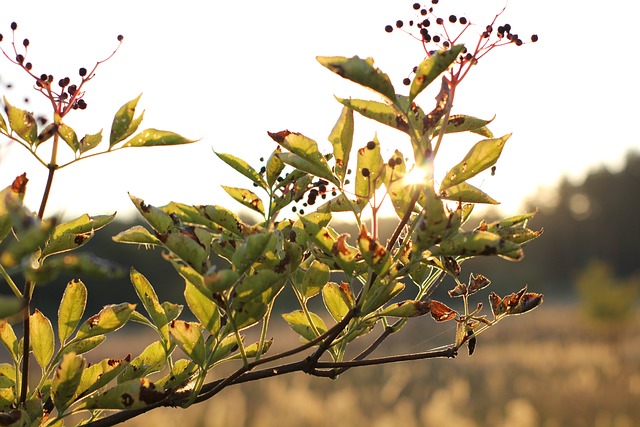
553	367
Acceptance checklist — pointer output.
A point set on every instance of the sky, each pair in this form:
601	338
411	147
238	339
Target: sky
231	71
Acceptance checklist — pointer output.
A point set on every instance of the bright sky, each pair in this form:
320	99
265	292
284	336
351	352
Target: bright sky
232	71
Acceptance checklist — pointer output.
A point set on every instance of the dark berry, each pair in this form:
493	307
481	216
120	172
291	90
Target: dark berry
72	89
452	18
423	12
81	104
399	24
293	209
463	20
534	38
120	37
301	212
436	39
388	28
446	44
1	37
426	23
434	1
43	77
19	59
410	23
489	29
14	26
365	172
519	42
406	81
25	42
507	28
416	6
82	71
28	65
371	145
439	21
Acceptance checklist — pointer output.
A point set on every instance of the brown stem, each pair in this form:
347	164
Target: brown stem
47	189
25	342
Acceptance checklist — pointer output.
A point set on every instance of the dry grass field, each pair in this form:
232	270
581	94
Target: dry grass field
549	368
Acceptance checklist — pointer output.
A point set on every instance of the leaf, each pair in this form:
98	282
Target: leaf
82	263
46	133
253	248
243	167
398	190
361	71
432	67
69	136
306	150
149	299
467	193
3	124
132	394
381	292
274	167
137	235
370	170
338	299
202	307
255	284
10	305
184	243
109	319
378	111
99	375
22	123
84	345
161	221
90	141
9	339
152	359
474	243
440	312
74	234
188	336
155	137
407	308
41	337
341	138
66	380
224	218
245	197
123	124
71	308
314	279
482	155
299	322
464	123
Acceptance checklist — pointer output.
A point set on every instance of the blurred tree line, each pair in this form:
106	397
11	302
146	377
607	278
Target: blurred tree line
592	220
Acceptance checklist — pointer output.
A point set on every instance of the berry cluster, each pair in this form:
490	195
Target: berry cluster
436	33
66	96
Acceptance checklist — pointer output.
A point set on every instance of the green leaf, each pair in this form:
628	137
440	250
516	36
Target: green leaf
10	305
338	299
482	155
381	292
9	339
3	124
255	284
75	233
202	307
341	203
109	319
22	123
274	167
306	149
408	308
46	133
90	141
370	171
161	221
253	248
224	218
184	243
11	195
149	299
74	301
155	137
463	123
361	71
378	111
314	279
302	165
133	394
66	380
341	138
467	193
137	235
152	359
243	167
42	339
84	263
188	336
123	124
475	243
84	345
99	375
517	220
399	191
69	136
245	197
432	67
299	322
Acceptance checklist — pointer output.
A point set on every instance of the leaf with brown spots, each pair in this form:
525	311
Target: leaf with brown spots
440	312
245	197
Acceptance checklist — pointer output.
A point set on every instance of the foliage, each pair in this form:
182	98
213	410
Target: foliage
362	281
